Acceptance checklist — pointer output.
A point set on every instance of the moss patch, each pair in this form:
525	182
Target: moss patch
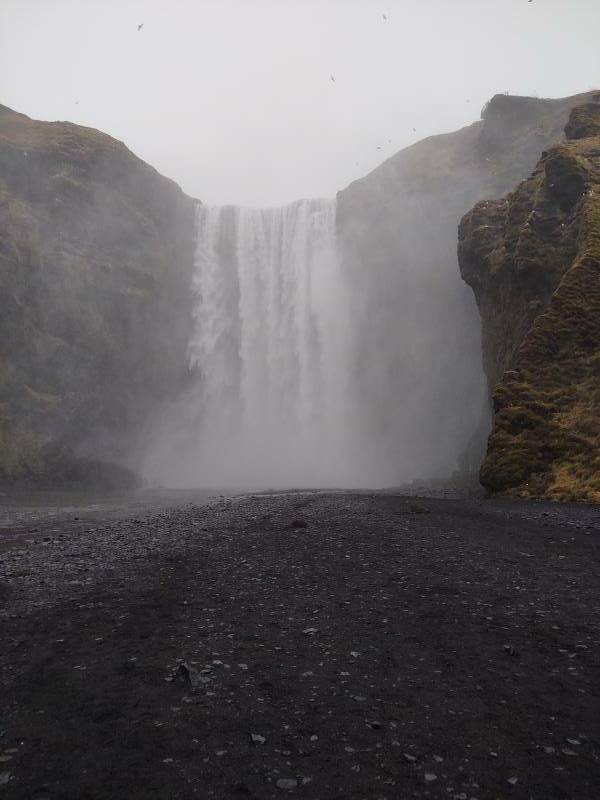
537	281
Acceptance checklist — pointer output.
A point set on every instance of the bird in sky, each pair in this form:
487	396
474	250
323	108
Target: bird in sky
332	78
140	26
385	18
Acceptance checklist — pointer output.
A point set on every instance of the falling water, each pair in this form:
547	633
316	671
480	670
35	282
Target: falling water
272	351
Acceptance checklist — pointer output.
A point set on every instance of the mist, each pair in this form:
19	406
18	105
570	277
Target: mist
322	342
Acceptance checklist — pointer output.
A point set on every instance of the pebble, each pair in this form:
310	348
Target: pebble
4	778
287	783
257	738
430	776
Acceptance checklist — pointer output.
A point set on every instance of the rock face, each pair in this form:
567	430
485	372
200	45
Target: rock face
95	260
418	353
533	261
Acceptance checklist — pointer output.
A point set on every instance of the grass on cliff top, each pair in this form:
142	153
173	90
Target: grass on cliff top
18	130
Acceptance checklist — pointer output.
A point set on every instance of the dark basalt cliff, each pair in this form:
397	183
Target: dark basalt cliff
533	261
397	229
95	260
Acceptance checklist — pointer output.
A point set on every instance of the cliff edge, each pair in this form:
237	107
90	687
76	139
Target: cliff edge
95	260
533	262
418	355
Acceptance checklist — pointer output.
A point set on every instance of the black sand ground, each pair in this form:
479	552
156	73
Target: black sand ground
392	648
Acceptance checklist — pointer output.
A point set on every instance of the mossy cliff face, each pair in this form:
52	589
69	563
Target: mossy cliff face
95	260
533	261
419	350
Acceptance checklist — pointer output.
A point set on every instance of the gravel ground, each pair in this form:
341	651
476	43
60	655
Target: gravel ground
310	645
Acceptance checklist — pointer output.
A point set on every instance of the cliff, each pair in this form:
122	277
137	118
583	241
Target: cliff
418	355
533	262
95	260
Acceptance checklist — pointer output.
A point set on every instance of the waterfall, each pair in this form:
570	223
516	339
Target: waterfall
272	404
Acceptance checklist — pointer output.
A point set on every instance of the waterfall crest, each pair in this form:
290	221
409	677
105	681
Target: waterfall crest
272	405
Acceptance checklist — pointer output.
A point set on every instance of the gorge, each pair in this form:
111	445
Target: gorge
326	343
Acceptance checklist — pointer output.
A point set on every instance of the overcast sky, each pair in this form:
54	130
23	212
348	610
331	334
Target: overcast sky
234	100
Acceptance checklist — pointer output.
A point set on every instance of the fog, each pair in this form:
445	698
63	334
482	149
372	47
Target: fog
332	344
233	98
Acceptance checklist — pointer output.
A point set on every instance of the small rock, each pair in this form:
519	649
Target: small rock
309	631
410	758
287	783
257	738
513	781
4	778
298	523
430	776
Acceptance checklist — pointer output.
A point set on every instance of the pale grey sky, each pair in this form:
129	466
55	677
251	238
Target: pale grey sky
233	98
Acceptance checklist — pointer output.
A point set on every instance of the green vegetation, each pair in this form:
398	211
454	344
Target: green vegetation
542	275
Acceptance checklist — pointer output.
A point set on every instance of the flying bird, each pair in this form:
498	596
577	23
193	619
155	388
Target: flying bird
140	26
332	78
384	16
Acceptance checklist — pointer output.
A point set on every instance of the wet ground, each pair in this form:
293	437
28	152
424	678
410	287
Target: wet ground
316	645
